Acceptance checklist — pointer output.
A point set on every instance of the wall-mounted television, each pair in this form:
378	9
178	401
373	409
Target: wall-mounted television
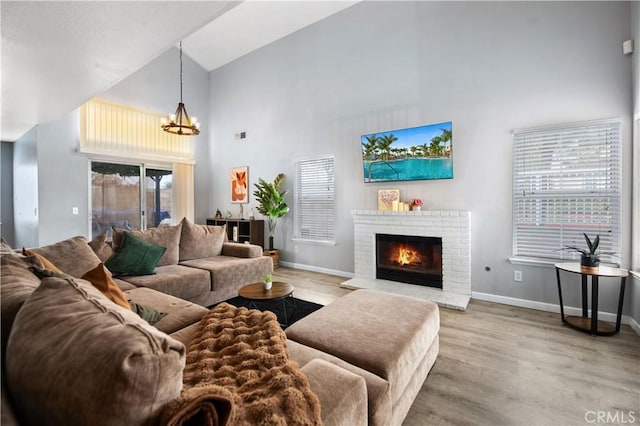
417	153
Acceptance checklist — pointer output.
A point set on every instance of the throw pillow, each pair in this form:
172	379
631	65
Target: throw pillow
5	247
101	279
147	313
200	241
72	256
100	247
166	236
74	357
135	257
46	263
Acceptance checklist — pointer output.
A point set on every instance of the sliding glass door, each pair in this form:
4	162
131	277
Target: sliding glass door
119	192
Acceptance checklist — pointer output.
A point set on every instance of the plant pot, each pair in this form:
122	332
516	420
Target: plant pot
416	208
267	285
270	243
589	261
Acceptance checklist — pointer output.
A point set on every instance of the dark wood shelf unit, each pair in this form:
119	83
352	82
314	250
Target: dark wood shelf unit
251	231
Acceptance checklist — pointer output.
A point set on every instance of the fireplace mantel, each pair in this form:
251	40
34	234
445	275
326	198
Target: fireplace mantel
452	226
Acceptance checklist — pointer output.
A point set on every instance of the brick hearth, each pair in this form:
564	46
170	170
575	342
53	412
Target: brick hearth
452	226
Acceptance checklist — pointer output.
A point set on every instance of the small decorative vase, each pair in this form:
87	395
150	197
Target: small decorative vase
416	208
267	285
589	261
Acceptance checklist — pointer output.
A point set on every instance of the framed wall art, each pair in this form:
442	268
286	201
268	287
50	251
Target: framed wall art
387	198
239	178
417	153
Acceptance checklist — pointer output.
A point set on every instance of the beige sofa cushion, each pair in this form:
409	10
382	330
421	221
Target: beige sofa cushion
72	256
200	241
75	357
17	283
176	280
399	349
342	394
100	247
165	236
180	313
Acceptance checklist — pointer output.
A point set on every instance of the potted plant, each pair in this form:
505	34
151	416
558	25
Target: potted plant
272	202
267	282
589	256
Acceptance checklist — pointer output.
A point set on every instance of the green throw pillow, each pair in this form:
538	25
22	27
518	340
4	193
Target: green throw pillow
147	313
135	257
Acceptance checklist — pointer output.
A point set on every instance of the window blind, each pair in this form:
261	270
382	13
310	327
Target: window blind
314	201
566	182
121	131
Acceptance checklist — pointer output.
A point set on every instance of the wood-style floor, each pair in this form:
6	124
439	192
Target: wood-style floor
504	365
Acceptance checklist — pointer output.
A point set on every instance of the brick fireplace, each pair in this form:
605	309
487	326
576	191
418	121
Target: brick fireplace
452	227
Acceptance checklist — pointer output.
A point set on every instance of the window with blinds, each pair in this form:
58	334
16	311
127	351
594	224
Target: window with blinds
566	182
314	200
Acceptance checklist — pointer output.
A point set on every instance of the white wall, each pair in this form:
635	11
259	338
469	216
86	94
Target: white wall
488	67
25	189
63	181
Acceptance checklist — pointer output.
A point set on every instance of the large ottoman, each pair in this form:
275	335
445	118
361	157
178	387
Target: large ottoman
392	337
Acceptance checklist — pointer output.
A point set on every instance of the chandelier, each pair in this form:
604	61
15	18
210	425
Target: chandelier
180	123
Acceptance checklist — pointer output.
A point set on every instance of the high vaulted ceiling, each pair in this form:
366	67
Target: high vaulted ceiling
57	55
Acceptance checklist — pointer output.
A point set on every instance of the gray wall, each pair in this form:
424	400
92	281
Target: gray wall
53	177
25	189
63	181
488	67
6	192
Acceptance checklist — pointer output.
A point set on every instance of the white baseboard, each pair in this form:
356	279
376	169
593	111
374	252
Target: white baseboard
317	269
550	307
634	325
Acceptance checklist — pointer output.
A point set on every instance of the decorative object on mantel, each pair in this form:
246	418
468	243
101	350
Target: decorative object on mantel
388	199
417	153
180	123
416	204
218	214
272	202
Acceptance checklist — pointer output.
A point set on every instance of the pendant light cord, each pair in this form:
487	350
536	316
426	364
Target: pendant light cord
180	71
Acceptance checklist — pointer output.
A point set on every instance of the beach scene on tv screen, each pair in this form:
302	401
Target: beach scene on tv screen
417	153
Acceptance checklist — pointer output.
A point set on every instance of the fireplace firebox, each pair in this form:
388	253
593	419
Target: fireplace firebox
409	259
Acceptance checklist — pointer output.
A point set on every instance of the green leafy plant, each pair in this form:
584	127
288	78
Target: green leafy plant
589	256
272	202
267	278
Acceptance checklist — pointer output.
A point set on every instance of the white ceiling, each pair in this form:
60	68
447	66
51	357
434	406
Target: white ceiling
58	55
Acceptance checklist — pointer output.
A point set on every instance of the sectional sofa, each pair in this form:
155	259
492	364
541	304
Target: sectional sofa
73	356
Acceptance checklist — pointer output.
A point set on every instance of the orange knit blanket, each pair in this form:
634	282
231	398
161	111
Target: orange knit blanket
238	372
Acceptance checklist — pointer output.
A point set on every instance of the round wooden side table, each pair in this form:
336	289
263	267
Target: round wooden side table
256	293
584	323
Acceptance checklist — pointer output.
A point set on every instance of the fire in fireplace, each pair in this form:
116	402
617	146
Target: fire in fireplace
409	259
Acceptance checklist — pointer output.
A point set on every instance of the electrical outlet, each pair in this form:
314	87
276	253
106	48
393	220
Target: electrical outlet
295	249
517	276
75	210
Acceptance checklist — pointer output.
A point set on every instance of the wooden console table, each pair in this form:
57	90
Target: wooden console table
584	323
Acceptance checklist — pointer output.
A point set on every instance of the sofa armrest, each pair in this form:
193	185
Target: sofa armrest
241	250
342	394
